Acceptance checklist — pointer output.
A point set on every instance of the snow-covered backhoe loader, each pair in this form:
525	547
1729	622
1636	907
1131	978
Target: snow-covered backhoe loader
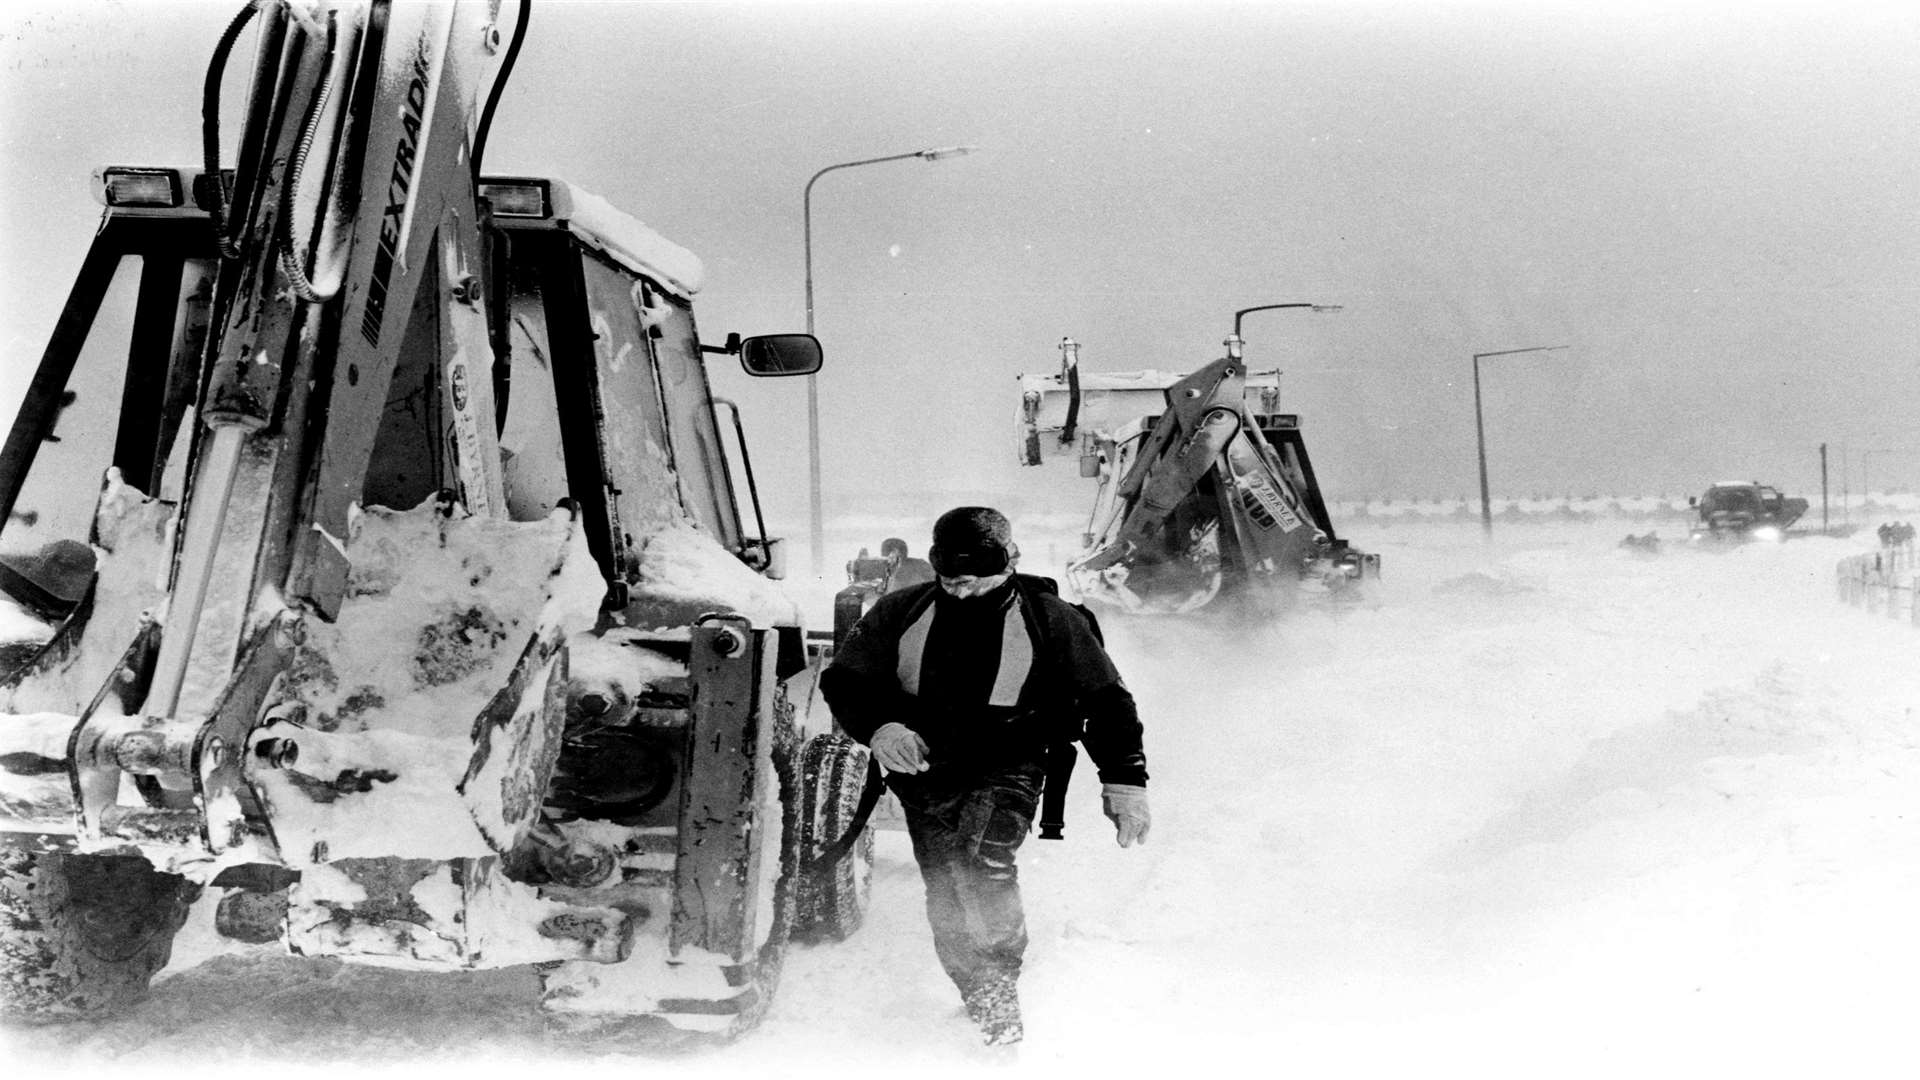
372	555
1205	488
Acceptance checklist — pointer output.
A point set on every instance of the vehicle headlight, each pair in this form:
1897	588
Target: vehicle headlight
1766	532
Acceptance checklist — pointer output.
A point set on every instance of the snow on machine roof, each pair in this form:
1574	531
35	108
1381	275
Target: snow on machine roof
165	192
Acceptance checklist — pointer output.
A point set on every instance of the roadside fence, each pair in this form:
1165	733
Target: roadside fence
1884	582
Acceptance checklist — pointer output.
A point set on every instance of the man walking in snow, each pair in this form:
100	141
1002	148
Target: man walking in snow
960	686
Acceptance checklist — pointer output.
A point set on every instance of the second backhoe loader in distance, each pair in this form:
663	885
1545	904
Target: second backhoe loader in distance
1206	495
386	574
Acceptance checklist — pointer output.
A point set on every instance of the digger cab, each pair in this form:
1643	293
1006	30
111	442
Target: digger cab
602	400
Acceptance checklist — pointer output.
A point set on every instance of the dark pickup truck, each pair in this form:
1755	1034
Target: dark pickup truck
1739	510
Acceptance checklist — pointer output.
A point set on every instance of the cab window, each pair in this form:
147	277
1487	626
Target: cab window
635	441
691	428
57	499
533	462
130	383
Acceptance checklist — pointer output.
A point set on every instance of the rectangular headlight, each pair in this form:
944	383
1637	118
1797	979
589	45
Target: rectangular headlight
140	187
517	198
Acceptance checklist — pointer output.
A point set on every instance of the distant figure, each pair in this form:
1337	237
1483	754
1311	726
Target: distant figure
1642	545
865	570
907	570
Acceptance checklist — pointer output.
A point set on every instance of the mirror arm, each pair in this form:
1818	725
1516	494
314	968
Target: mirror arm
731	348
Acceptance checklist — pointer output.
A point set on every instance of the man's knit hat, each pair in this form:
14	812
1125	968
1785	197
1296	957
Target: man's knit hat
976	540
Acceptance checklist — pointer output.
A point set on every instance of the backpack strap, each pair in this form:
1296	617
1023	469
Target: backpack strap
1061	756
1058	763
869	798
1093	624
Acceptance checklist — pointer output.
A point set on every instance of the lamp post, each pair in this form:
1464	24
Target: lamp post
816	526
1244	312
1480	428
1235	341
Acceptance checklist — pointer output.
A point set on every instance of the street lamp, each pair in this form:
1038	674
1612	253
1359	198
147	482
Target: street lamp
1480	428
1235	341
816	527
1244	312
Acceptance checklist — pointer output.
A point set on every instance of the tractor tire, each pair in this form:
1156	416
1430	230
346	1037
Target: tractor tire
831	900
82	935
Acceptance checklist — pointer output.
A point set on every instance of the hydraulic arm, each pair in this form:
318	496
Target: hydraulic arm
1199	492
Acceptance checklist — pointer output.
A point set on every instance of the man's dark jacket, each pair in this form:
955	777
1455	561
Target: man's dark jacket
1071	680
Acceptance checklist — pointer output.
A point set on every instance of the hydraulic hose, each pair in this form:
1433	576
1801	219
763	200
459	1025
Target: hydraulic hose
499	83
293	262
1073	405
210	131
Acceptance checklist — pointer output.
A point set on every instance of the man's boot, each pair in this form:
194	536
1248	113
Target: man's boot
994	1007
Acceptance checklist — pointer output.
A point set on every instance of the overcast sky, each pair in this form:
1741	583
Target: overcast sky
1715	207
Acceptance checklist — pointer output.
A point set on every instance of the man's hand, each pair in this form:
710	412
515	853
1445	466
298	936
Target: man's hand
1126	806
901	749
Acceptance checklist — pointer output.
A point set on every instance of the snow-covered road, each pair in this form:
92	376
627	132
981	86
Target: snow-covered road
1546	808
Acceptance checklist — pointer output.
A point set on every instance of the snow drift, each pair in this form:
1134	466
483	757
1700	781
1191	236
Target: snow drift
1544	808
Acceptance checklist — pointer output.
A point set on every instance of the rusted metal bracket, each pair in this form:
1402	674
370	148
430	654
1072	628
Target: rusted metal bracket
724	785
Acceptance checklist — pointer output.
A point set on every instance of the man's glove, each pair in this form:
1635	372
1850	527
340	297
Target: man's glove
901	749
1126	806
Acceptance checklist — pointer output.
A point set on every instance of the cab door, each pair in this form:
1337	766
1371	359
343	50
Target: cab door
606	402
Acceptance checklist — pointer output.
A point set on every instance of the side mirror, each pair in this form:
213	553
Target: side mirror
780	354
